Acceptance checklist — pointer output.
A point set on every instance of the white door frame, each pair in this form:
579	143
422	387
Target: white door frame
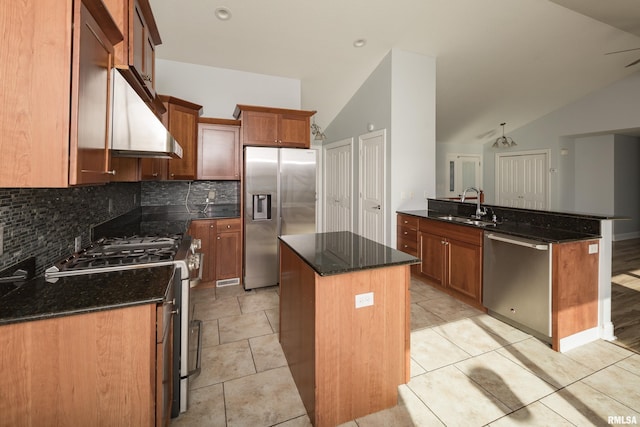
383	203
325	148
546	152
455	157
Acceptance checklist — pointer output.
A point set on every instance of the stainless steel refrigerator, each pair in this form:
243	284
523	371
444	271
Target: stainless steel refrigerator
279	199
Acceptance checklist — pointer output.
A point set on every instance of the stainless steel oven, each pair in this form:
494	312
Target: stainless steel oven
124	253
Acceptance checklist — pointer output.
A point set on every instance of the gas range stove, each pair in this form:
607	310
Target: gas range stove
124	253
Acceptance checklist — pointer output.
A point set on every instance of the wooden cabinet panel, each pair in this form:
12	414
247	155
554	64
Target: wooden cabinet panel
221	247
181	119
126	169
228	249
274	127
154	169
143	37
67	47
205	230
452	259
294	130
218	151
81	370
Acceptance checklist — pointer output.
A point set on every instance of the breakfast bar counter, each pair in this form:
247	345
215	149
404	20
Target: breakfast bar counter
344	323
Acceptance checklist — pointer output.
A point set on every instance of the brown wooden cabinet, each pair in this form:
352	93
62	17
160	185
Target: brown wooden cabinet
228	249
143	39
407	237
108	367
154	169
181	119
274	127
126	169
218	149
70	50
221	247
452	259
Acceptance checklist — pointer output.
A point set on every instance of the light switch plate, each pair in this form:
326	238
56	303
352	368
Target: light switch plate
593	248
364	300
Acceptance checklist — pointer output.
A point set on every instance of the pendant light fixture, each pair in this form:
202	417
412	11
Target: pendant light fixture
504	141
316	131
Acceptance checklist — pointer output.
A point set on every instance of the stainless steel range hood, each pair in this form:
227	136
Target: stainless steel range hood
136	131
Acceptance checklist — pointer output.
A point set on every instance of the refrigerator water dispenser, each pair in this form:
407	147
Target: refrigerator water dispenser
261	206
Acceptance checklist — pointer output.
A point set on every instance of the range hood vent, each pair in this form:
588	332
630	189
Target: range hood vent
137	132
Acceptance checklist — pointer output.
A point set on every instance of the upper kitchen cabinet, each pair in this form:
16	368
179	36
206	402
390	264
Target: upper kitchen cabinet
55	60
218	149
181	119
274	127
136	53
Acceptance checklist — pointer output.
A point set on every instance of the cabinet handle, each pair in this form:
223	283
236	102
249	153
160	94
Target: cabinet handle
113	172
228	226
154	174
211	226
218	237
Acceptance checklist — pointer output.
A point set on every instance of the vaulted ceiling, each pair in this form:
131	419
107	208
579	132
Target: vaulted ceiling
497	60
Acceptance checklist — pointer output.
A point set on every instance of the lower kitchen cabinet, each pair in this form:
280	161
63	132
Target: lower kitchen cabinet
221	248
451	255
110	367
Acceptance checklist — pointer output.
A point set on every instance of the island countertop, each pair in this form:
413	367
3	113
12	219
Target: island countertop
343	252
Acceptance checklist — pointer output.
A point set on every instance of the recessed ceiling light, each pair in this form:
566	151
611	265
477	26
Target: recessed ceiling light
223	14
359	43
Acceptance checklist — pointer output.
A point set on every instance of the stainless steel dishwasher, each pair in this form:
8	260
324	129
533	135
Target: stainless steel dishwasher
517	282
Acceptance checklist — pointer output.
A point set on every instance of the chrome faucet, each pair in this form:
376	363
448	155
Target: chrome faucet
480	211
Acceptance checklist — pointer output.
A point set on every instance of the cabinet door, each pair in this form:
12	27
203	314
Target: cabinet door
218	152
141	50
154	169
183	125
432	254
259	128
464	268
228	259
294	131
90	131
205	230
126	169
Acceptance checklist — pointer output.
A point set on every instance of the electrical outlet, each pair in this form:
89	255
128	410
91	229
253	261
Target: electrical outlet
110	206
1	240
364	300
77	244
212	195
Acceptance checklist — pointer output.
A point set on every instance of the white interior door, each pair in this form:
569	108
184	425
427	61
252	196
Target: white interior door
522	180
338	184
372	179
463	171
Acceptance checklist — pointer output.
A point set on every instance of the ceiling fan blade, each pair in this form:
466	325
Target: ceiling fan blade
620	51
633	63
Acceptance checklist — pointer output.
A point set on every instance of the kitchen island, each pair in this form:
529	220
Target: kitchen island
344	323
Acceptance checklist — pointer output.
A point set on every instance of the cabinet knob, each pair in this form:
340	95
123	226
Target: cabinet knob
228	226
405	233
154	174
218	237
211	226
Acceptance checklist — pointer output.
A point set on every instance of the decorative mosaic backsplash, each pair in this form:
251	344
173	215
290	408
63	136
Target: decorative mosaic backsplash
43	222
166	193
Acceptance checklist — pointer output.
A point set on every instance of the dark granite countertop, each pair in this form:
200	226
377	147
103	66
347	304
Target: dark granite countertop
344	252
514	228
41	299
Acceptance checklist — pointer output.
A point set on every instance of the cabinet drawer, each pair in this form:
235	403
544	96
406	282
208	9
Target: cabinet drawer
228	225
408	221
407	234
408	246
462	233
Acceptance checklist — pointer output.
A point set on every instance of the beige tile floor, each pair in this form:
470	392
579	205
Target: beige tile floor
467	369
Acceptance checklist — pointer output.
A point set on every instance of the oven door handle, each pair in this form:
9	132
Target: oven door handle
196	371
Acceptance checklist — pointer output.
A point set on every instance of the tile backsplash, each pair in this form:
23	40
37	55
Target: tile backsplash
43	222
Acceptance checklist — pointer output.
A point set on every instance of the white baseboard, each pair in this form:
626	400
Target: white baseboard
576	340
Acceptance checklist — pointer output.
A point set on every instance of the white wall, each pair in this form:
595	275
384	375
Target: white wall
399	96
594	190
627	187
442	166
609	110
218	90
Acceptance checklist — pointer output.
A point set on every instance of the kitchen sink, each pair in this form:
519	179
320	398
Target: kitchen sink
470	221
